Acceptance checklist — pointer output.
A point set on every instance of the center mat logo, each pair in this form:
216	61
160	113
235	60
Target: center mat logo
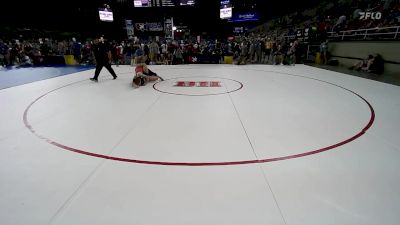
197	84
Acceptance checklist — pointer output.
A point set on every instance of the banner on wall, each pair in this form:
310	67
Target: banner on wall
148	27
130	31
248	16
154	27
168	28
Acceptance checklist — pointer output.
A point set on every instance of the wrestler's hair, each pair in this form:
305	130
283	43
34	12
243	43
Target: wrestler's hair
137	81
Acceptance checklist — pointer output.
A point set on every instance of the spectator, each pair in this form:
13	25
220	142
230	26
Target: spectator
377	65
324	51
25	61
177	56
77	50
3	53
244	53
278	55
153	52
363	65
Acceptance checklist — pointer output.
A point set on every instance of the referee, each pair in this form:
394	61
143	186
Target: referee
102	55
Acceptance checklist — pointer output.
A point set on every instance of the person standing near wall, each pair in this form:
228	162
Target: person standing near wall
324	52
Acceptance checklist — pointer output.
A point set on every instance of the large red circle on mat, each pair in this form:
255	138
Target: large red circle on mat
310	152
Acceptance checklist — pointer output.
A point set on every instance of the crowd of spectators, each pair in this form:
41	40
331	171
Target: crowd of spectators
39	52
243	49
276	42
329	18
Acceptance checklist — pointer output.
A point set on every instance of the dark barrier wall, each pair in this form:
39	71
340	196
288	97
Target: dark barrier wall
347	53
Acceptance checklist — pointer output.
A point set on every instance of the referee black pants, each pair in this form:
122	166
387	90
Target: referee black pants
100	65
